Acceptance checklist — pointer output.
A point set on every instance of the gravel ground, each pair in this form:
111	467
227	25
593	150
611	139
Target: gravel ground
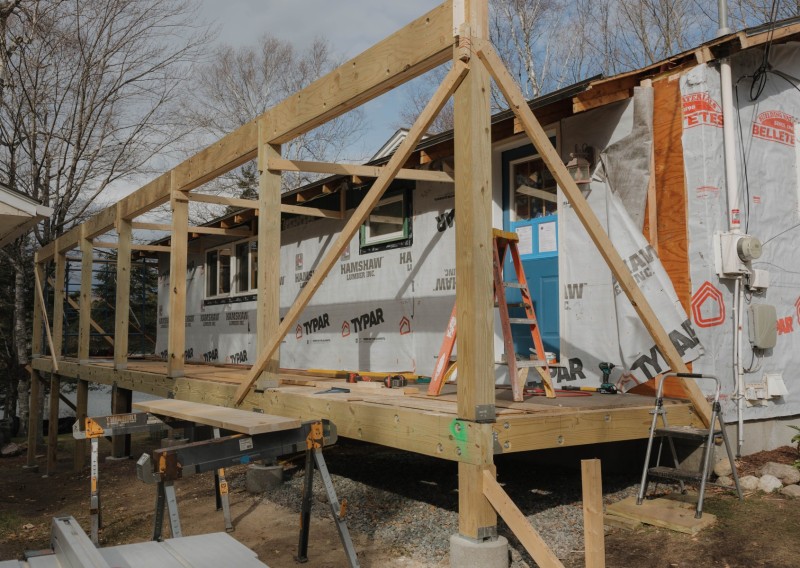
408	503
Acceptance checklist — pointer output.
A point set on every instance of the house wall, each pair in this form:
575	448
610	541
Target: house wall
767	164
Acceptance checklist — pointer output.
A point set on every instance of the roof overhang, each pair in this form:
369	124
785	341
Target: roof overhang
18	214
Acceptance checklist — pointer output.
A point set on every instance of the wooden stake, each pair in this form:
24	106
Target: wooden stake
33	419
58	302
401	155
52	427
121	403
81	411
519	525
590	222
594	538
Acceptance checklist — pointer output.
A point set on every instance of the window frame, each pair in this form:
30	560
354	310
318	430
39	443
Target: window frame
234	271
401	238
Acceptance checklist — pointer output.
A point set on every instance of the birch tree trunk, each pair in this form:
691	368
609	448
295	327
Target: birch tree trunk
21	334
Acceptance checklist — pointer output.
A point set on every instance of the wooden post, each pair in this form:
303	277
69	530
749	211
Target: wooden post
81	411
121	403
85	312
58	302
33	398
474	291
123	292
176	349
269	252
52	428
594	543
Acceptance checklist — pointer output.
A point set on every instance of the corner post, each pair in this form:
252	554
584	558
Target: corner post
176	350
269	251
122	306
477	519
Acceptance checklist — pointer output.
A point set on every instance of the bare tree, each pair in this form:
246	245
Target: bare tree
89	99
238	84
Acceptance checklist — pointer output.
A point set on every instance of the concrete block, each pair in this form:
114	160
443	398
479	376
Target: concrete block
769	483
261	478
788	474
467	553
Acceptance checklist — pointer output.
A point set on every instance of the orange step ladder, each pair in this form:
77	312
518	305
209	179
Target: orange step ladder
503	242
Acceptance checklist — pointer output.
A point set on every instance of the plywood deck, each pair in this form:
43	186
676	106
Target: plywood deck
401	418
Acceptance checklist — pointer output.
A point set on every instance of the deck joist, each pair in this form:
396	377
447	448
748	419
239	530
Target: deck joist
397	418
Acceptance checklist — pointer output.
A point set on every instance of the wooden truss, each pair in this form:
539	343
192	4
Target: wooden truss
457	32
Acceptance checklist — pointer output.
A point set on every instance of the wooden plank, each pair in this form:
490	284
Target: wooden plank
240	421
415	49
133	246
222	200
85	310
147	197
593	532
100	223
377	190
356	170
121	403
268	314
39	308
221	231
122	304
138	225
231	151
590	222
518	523
176	339
665	513
311	211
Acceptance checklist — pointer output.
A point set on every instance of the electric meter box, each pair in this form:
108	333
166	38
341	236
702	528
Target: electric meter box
763	326
733	253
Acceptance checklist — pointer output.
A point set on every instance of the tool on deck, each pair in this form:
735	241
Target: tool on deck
503	241
603	389
98	427
334	390
395	382
605	368
700	436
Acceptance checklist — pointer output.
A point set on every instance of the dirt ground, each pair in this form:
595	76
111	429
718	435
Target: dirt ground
764	530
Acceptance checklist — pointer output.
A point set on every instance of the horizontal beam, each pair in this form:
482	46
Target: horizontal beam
355	170
231	151
134	246
195	230
420	46
222	200
312	212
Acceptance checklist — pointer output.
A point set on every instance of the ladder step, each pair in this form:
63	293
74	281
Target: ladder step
513	285
522	321
685	433
511	305
675	474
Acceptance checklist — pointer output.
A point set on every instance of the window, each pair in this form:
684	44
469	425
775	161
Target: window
389	224
231	269
534	189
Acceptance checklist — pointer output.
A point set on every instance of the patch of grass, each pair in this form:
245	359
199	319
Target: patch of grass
9	522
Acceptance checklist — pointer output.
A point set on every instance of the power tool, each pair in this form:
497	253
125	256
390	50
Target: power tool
607	386
395	382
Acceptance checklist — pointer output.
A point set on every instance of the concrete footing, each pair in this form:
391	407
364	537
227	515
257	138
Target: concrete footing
261	478
468	553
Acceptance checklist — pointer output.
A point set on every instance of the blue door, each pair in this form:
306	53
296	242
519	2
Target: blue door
530	210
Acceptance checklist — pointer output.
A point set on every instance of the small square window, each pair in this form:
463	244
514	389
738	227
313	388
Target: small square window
388	225
211	273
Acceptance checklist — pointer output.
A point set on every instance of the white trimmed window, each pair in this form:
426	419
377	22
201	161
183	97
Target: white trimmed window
231	269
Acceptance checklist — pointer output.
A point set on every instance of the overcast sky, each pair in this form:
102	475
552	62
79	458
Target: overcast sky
351	26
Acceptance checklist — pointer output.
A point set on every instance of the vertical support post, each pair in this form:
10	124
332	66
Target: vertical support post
474	293
176	350
81	411
85	311
58	301
33	399
121	403
52	429
122	306
269	251
594	543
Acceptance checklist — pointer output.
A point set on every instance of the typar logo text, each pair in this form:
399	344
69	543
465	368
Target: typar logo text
775	126
700	109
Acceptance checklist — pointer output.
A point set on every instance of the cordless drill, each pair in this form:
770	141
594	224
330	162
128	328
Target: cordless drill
606	386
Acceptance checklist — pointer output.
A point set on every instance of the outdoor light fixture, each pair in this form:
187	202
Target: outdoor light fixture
579	167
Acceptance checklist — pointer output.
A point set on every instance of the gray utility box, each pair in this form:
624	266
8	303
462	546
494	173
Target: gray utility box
763	329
